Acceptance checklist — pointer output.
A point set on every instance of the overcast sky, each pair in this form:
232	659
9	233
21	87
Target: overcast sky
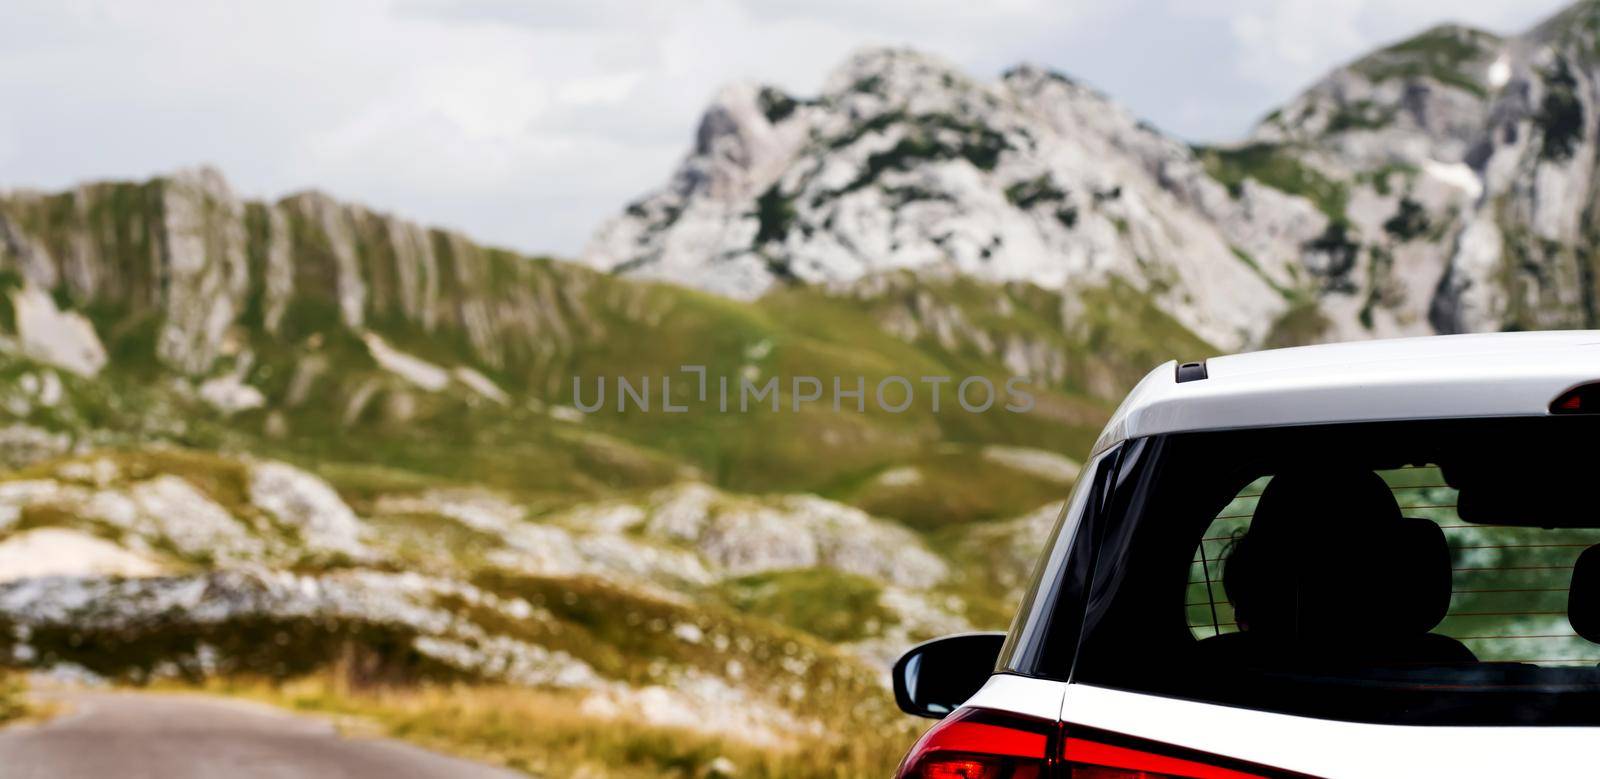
526	123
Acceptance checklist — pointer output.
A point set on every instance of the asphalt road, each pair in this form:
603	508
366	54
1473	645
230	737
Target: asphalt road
137	735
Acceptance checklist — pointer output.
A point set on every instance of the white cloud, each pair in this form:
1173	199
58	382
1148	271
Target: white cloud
601	90
527	123
1285	43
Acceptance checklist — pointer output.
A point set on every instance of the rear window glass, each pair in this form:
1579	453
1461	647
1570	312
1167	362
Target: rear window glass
1509	585
1422	572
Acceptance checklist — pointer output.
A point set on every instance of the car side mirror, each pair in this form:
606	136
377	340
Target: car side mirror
935	677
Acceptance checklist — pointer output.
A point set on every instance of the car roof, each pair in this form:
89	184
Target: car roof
1435	377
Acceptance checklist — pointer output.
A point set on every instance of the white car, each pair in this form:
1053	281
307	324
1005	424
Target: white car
1353	560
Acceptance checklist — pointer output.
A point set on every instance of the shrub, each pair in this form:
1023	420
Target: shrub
1409	222
775	213
1274	166
775	104
1560	116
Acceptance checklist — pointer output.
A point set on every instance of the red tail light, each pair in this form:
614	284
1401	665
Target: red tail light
1085	759
984	744
1578	400
981	744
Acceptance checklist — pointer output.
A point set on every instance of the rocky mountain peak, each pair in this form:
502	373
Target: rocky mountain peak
903	162
1376	203
744	139
1424	98
1577	21
874	81
204	181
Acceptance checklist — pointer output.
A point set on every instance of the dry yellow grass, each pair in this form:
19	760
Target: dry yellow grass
17	707
13	697
543	732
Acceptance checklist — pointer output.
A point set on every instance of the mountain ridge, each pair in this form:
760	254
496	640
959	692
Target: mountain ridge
184	295
1364	207
853	156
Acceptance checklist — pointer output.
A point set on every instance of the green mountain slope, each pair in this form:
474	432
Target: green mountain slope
288	440
185	285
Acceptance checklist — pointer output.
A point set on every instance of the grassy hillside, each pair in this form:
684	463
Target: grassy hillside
359	441
532	327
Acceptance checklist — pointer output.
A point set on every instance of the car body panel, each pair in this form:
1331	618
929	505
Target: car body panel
1040	698
1439	377
1330	748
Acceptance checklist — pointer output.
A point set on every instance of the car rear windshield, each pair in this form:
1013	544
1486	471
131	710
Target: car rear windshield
1441	572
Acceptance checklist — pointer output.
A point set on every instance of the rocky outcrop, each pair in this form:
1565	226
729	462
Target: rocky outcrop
1524	257
208	621
1425	98
202	269
217	274
1463	164
307	504
1441	184
290	515
905	162
51	336
243	566
743	535
50	551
